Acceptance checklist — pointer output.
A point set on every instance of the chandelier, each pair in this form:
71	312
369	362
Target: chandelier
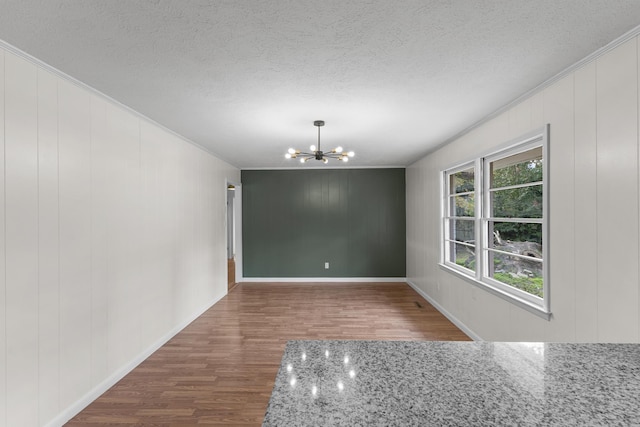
316	153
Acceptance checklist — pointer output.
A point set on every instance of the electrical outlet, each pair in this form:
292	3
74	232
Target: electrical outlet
326	265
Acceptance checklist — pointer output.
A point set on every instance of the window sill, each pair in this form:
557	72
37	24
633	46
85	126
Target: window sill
526	305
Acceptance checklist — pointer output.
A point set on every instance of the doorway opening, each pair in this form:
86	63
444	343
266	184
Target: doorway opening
232	235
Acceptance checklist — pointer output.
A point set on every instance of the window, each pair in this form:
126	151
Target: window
494	221
460	218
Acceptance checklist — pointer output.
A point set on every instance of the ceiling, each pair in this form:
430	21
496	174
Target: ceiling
246	79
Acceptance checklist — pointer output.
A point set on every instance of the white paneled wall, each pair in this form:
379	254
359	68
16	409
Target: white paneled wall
585	202
594	217
21	239
114	238
617	189
48	243
3	286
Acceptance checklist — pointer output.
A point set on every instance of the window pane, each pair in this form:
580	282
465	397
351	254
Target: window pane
462	255
517	272
517	169
523	202
515	237
462	230
462	205
462	182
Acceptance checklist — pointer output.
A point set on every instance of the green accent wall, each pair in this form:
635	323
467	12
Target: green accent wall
293	221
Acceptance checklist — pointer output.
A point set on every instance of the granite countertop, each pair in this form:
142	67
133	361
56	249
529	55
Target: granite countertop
409	383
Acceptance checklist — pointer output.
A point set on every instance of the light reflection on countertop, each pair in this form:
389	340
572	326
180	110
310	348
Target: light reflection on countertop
393	383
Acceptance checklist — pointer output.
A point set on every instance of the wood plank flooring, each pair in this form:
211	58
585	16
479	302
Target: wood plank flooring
221	368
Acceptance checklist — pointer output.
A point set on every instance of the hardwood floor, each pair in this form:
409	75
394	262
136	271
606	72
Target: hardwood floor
221	368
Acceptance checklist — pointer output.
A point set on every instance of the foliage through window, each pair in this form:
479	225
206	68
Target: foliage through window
460	219
494	220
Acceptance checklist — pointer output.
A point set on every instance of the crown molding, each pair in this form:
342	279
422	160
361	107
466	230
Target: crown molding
93	91
539	88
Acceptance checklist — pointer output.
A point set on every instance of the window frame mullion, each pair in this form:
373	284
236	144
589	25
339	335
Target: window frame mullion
479	186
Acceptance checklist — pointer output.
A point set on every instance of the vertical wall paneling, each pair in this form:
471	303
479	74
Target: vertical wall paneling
3	307
416	196
585	199
151	152
186	228
353	219
168	184
493	322
432	231
199	230
113	203
21	196
99	231
156	247
180	250
617	189
520	118
638	88
75	241
48	239
411	228
558	111
123	235
537	110
526	326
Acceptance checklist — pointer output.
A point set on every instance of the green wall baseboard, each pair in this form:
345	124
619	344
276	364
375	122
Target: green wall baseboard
324	280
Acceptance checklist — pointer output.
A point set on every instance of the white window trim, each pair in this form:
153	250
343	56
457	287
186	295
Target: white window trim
532	303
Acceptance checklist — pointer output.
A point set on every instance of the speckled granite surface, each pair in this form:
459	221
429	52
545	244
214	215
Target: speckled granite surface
397	383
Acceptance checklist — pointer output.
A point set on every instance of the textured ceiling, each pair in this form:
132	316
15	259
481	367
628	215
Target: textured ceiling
246	79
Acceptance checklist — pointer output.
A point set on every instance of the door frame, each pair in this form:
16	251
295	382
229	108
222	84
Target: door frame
237	225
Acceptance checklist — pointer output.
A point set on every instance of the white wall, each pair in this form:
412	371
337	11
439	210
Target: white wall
113	234
594	218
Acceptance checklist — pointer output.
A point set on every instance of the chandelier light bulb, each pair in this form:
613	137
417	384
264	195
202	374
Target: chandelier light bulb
287	156
312	148
292	151
302	160
338	149
325	160
351	154
345	159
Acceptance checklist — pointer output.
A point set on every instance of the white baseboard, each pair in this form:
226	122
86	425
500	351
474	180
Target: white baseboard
446	314
324	279
75	408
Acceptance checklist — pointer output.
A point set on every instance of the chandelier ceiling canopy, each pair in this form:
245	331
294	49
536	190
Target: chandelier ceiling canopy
316	152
